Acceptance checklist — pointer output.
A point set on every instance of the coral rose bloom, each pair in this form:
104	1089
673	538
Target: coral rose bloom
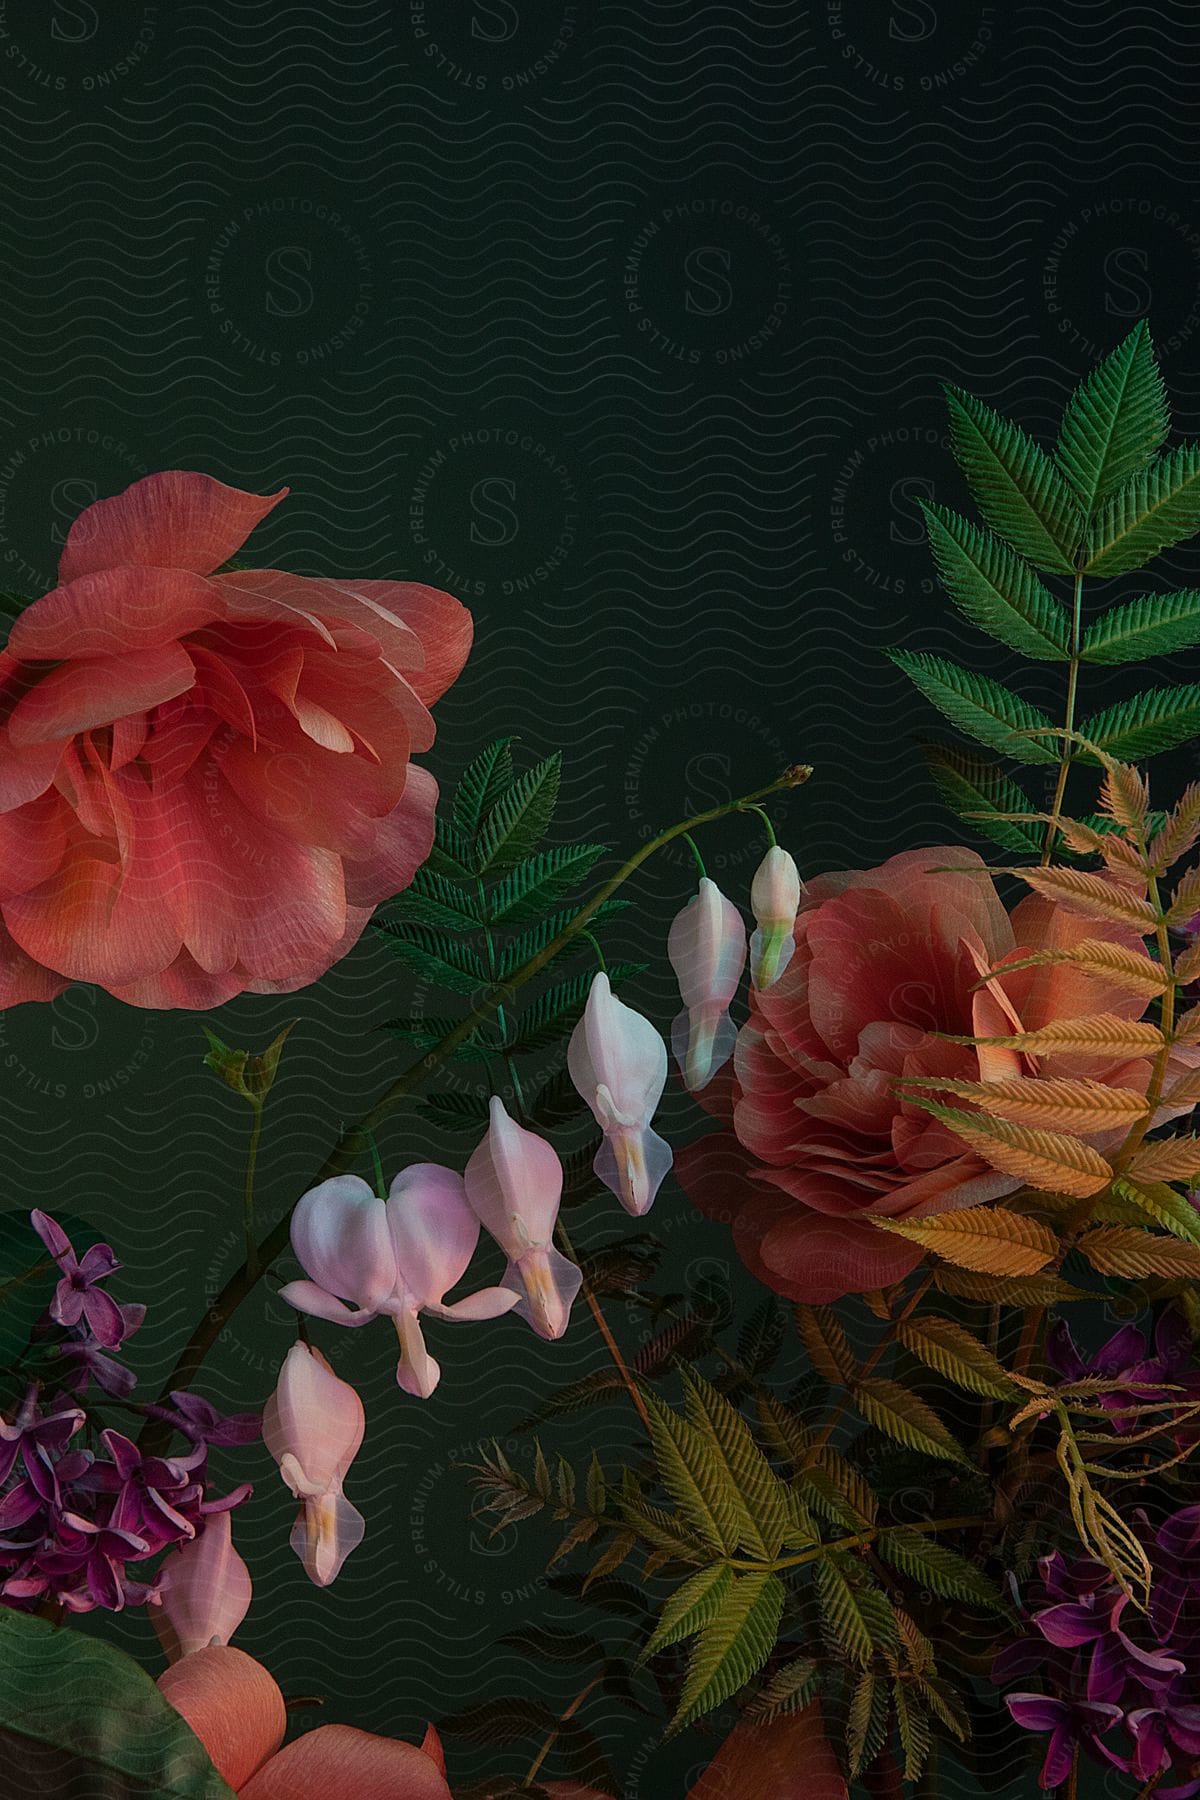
205	784
822	1141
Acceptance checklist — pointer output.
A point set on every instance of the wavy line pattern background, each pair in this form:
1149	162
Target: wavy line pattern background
626	323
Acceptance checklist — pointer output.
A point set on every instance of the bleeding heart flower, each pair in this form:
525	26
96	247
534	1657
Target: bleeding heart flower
313	1426
774	900
398	1258
618	1062
707	948
514	1183
205	1589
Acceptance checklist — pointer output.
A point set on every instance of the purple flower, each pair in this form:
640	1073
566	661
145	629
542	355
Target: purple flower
78	1295
1146	1375
198	1418
1072	1724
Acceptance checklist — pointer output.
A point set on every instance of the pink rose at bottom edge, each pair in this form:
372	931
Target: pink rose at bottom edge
514	1184
313	1426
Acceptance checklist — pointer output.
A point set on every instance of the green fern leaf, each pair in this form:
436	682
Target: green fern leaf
427	1033
764	1519
1154	509
891	1409
953	1352
1156	720
482	784
540	881
867	1724
995	589
785	1690
857	1620
434	899
696	1479
913	1725
451	854
1151	626
532	941
1019	490
690	1608
458	1112
435	956
935	1566
733	1647
1115	421
979	706
515	825
970	785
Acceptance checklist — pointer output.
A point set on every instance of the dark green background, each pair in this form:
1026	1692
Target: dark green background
715	260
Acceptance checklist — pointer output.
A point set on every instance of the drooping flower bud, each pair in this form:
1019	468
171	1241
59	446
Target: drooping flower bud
205	1588
313	1426
618	1063
514	1184
775	900
707	948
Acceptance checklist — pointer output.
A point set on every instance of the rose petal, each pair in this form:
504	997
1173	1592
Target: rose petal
336	1762
231	1703
176	519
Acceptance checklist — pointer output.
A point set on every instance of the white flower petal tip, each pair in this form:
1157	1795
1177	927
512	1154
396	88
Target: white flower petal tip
707	948
327	1529
770	953
548	1283
702	1042
632	1164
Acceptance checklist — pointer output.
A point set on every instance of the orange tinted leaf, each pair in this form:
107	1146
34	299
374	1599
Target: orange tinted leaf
1180	832
1124	1250
1187	1031
1170	1159
1097	1033
987	1238
1185	899
1006	1290
828	1349
1044	1158
1187	964
1115	963
1125	795
1063	1105
1186	1091
1095	895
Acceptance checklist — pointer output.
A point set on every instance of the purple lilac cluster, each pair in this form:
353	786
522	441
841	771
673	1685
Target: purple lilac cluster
79	1503
1118	1685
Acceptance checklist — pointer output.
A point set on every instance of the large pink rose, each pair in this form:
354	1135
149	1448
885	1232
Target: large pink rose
821	1141
205	779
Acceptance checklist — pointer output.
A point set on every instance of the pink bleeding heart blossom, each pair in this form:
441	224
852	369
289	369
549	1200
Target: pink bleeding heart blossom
204	1589
774	900
397	1258
313	1426
707	948
514	1183
205	777
618	1063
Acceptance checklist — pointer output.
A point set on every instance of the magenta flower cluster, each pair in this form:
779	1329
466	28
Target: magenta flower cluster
80	1506
1118	1685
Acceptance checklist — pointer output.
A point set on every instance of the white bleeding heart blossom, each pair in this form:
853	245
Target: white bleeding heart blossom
205	1591
775	896
618	1063
313	1426
514	1183
396	1258
707	948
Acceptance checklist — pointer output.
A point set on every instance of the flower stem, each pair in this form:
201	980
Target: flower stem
552	1737
248	1192
605	1330
354	1139
1072	691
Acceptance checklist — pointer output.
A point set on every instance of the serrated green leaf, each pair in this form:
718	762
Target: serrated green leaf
785	1690
541	881
733	1647
761	1500
935	1566
530	942
595	1489
696	1478
892	1409
1151	626
1155	1200
481	784
1154	509
1147	724
867	1723
979	706
451	854
515	825
995	589
427	1033
970	785
435	956
434	899
913	1726
459	1112
856	1619
1115	421
1019	490
692	1606
951	1349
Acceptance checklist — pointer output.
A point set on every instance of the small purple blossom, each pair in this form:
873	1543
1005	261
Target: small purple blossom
1148	1374
78	1296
